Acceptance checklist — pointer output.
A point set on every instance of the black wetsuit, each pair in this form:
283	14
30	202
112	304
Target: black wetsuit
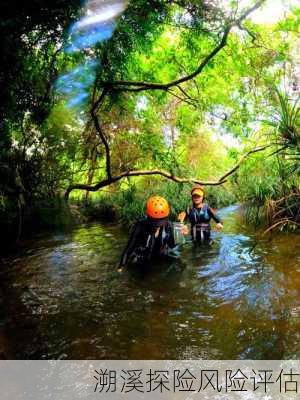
200	222
143	245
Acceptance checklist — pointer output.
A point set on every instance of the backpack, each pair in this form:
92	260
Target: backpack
143	253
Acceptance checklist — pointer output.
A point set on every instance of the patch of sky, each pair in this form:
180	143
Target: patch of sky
96	25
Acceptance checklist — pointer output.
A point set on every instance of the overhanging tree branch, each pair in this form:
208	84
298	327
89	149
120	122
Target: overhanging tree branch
165	174
237	166
113	179
136	86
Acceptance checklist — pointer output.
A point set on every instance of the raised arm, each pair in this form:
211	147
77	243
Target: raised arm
214	216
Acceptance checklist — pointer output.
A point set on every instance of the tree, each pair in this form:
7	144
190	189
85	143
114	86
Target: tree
107	86
31	52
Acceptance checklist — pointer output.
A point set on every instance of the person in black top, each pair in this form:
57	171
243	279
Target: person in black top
151	236
199	216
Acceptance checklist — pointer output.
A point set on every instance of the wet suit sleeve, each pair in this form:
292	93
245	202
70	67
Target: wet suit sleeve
213	216
189	214
132	242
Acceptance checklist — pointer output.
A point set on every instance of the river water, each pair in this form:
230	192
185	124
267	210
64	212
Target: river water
62	298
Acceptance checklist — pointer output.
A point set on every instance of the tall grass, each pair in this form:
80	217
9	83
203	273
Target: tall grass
127	204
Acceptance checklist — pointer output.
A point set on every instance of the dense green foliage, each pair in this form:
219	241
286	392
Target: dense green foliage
198	130
31	34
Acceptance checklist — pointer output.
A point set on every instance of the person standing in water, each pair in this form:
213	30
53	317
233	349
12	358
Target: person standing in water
199	216
151	236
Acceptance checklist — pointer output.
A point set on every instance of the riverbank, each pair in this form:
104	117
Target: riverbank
125	207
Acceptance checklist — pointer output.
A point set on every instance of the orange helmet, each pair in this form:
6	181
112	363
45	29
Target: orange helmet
157	207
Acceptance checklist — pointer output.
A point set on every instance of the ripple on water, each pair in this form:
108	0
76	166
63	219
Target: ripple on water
232	300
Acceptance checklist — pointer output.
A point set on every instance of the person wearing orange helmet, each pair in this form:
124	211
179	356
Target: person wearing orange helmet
151	236
199	216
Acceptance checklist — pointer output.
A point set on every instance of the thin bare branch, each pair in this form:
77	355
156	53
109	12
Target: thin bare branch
126	174
165	174
281	222
182	98
137	86
237	166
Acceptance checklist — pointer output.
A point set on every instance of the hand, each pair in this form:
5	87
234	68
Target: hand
181	216
219	227
184	230
120	268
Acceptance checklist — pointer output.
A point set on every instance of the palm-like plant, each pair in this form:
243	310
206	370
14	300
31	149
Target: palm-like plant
285	118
